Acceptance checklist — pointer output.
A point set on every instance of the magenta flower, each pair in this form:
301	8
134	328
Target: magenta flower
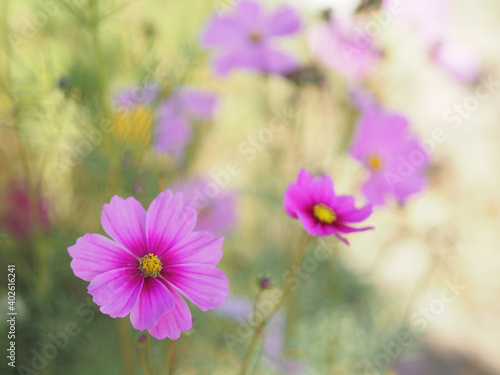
341	46
313	201
173	128
246	38
217	209
392	154
154	257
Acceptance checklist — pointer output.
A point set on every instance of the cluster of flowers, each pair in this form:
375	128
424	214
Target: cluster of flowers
156	257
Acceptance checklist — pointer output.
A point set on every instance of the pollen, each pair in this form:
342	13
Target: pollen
255	37
375	162
150	265
324	213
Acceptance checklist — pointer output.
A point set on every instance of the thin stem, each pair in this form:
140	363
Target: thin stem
126	347
148	354
141	361
420	287
168	369
256	306
289	279
251	348
100	60
161	182
261	326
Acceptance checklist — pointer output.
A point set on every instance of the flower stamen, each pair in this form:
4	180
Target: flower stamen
255	37
375	162
150	265
324	213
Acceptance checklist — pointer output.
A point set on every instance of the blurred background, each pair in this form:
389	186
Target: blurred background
417	295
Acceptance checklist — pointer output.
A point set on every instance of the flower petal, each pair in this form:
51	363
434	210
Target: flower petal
356	215
116	291
169	220
203	284
175	321
94	254
347	229
125	222
172	134
197	247
154	301
276	61
221	31
284	21
198	104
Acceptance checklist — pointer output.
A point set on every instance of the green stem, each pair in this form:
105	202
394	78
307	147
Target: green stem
261	326
168	369
148	354
126	347
141	362
100	60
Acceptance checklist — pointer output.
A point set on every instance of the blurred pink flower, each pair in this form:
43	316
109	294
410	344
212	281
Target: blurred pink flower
245	38
217	213
340	45
313	201
240	309
361	99
173	129
153	259
131	96
459	60
429	19
22	211
394	157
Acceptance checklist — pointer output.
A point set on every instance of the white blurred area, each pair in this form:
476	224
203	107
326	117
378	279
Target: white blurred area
340	7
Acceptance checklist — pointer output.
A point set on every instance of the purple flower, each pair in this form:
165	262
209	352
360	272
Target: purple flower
362	99
246	38
173	129
341	46
132	96
154	257
217	210
392	154
459	60
313	201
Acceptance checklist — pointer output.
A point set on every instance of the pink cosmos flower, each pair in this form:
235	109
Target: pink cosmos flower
394	157
217	209
340	45
154	257
459	60
313	201
246	38
173	129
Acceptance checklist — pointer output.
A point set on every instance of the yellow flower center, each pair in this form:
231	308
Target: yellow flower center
150	265
324	213
255	37
134	125
375	162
